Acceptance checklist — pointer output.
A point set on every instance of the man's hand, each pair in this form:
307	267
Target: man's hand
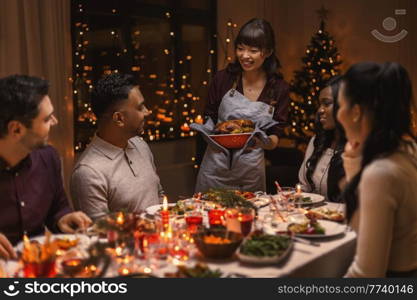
6	248
72	221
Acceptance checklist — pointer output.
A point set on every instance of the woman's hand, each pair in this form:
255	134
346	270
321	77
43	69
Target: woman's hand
352	159
271	144
353	149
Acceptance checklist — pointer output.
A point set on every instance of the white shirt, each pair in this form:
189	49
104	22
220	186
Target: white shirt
320	173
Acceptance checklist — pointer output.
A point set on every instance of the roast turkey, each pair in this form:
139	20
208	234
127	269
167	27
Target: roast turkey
234	126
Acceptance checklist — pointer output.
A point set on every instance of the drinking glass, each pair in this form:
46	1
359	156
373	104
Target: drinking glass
246	215
216	217
194	220
72	263
45	268
285	196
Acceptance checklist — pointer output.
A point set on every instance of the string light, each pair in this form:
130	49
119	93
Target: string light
180	100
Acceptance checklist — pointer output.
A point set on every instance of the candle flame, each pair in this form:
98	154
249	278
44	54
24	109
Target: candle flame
165	204
124	271
120	218
73	262
25	238
93	268
298	187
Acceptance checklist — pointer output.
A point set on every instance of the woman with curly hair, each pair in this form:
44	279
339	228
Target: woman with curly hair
322	169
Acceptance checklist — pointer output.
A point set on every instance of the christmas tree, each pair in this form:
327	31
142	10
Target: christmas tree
319	64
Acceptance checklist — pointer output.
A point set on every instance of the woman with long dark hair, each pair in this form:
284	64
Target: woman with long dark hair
380	161
250	88
322	169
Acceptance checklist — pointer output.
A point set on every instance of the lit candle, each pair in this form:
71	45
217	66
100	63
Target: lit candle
298	188
165	204
124	271
72	262
26	241
120	218
72	266
165	213
216	217
169	233
118	251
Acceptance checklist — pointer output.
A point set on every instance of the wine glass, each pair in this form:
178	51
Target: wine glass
284	196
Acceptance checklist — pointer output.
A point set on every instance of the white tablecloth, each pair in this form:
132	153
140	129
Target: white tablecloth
330	259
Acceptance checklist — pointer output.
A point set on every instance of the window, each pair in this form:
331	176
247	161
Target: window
169	45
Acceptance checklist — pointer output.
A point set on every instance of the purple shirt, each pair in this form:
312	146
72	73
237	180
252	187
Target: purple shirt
223	81
32	195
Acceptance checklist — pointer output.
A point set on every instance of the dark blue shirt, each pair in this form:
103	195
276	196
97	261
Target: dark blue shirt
32	195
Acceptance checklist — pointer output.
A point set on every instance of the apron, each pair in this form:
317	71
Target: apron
235	168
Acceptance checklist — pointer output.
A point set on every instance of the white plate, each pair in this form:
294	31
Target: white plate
152	210
330	228
260	201
315	198
266	260
83	242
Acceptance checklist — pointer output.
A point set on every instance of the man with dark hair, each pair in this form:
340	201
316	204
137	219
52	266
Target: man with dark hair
116	172
31	189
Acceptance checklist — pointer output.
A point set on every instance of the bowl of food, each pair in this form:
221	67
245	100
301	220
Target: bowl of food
233	134
231	141
217	243
264	248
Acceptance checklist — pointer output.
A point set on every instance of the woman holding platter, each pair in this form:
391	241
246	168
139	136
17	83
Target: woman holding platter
250	88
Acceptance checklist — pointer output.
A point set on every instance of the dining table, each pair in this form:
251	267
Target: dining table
327	256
